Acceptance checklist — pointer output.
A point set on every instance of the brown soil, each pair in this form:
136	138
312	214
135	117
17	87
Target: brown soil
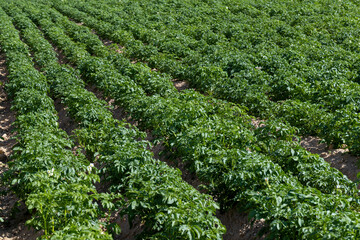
106	42
181	85
65	122
338	158
257	123
128	233
92	88
7	117
61	56
238	226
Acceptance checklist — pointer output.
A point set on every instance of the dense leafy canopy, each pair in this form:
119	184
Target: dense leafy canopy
254	53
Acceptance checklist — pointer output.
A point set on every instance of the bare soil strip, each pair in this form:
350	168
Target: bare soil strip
338	158
65	122
180	84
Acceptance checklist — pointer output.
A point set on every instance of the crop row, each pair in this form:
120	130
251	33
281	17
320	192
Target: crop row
314	91
234	174
168	206
185	29
279	149
56	185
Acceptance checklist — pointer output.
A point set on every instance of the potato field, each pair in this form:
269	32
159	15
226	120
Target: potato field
179	119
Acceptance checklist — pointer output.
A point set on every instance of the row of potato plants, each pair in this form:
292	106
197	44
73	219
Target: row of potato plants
56	184
151	81
74	24
234	175
154	22
284	148
169	207
318	99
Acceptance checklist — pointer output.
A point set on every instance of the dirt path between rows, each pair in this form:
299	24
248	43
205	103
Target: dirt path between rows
338	158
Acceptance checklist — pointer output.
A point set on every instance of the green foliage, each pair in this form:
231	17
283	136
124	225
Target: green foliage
309	55
55	184
263	171
154	192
